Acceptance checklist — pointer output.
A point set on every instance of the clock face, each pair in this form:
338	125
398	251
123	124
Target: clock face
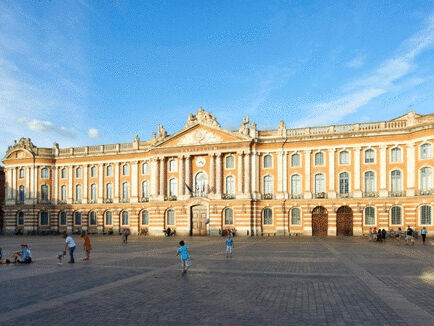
200	162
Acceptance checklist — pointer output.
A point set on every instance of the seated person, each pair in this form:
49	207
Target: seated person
24	256
168	232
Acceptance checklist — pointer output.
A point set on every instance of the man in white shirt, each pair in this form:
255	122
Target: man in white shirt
70	244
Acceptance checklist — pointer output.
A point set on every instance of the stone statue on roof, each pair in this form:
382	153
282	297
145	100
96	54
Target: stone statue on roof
202	117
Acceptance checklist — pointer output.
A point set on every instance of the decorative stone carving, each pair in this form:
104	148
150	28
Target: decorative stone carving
162	133
202	117
24	143
281	129
244	128
253	130
200	136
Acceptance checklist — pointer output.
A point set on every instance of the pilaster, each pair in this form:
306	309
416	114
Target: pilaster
411	173
307	191
134	181
332	189
357	193
383	171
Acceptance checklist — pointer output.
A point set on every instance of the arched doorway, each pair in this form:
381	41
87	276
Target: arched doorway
344	221
319	221
198	217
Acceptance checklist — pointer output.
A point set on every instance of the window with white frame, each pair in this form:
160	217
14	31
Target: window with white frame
20	218
268	161
125	169
230	185
44	192
268	184
44	173
124	218
170	217
43	218
78	172
92	218
93	172
230	162
295	160
109	170
369	215
369	181
425	215
172	165
426	151
344	157
295	216
62	218
295	184
63	193
369	156
145	189
108	218
109	191
395	178
125	191
395	155
319	159
77	218
21	173
395	215
319	183
145	168
267	216
78	192
229	216
344	183
426	178
145	218
63	173
93	192
21	193
173	187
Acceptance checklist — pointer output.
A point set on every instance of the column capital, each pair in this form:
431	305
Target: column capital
240	152
307	151
357	148
411	145
331	150
383	146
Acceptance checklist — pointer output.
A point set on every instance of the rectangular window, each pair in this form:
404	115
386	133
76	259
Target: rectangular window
295	160
44	218
369	156
425	215
344	157
63	218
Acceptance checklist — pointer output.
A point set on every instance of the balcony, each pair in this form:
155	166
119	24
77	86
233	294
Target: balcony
396	193
108	201
344	195
61	202
320	195
266	196
370	194
228	196
93	201
44	201
76	201
202	194
124	200
19	202
425	192
144	200
296	196
170	198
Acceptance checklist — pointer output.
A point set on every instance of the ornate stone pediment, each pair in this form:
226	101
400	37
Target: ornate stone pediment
199	136
23	143
202	117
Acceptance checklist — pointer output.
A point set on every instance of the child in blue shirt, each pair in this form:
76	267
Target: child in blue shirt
229	246
185	256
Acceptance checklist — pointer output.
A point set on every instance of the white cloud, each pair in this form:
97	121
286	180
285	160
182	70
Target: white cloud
94	133
356	62
47	127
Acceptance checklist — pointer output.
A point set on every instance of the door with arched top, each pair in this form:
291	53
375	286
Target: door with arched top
344	221
198	220
319	221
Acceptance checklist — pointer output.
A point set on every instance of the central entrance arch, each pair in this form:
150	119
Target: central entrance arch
319	221
198	217
344	221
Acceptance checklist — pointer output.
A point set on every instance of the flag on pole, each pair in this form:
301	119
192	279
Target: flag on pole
189	189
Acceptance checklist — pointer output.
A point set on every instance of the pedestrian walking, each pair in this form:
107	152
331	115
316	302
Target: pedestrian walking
125	235
70	245
185	256
86	244
409	236
229	246
423	233
383	235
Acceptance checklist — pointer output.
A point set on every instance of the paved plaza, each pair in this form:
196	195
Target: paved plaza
278	281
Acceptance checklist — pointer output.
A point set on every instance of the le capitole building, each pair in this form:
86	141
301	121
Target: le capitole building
203	179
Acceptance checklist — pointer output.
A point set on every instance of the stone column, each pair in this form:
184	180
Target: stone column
134	182
219	174
279	194
70	183
332	189
247	175
212	172
116	185
14	183
285	174
154	178
162	177
181	186
56	183
188	174
307	191
100	183
9	183
411	173
28	189
357	193
383	171
85	184
240	174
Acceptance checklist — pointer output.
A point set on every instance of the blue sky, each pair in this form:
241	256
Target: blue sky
93	72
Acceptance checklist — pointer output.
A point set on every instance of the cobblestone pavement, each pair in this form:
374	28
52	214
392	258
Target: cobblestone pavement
277	281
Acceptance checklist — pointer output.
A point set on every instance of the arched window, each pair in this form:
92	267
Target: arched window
395	177
344	157
78	172
93	172
92	218
21	173
172	165
109	191
395	155
319	158
170	217
426	178
200	184
295	184
108	218
93	192
425	215
78	192
145	189
63	173
77	218
295	216
396	216
125	169
44	192
63	193
268	161
125	190
230	185
145	218
369	181
173	187
369	156
229	216
62	218
109	170
344	183
20	218
230	162
268	216
43	218
124	219
145	168
44	173
319	183
21	193
369	215
268	184
425	151
295	160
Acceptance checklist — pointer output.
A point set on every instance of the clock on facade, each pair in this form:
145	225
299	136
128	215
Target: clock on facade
200	162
